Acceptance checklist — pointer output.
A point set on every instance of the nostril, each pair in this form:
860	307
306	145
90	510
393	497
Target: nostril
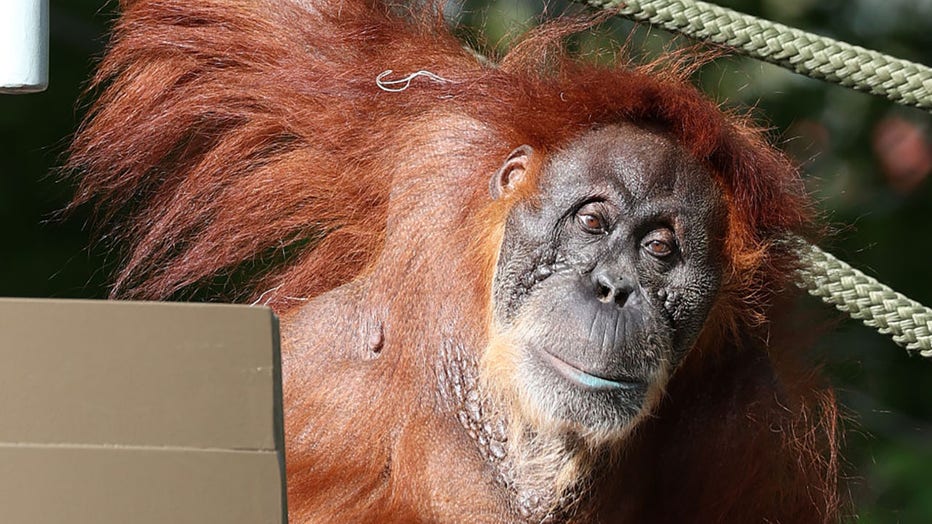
608	289
621	297
603	293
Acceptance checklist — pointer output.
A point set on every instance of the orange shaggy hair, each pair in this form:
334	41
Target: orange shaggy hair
231	133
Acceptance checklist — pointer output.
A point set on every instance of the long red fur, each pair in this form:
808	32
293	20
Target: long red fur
229	130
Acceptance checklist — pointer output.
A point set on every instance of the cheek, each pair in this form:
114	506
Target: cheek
515	280
686	300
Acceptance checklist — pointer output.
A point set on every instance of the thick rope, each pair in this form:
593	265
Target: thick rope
904	82
908	322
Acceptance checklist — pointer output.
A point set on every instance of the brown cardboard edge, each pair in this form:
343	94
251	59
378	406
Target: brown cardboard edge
105	485
279	411
260	391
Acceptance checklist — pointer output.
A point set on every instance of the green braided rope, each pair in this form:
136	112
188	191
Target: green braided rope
816	56
908	322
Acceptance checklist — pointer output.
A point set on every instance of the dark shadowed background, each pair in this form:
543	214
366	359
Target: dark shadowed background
866	160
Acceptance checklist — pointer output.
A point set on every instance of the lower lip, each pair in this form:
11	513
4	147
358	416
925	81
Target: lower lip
589	381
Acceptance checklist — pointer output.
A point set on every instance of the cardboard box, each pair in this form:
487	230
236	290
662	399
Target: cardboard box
133	412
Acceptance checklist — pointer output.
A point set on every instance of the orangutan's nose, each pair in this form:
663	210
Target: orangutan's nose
610	287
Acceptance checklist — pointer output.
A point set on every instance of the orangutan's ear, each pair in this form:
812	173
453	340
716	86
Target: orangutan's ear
511	174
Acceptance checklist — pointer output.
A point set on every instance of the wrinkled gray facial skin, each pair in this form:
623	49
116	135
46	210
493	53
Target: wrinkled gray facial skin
607	278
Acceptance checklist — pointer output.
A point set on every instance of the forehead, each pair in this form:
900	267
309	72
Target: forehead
633	163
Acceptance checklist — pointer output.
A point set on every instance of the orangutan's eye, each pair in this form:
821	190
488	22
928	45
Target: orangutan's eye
591	220
659	243
591	223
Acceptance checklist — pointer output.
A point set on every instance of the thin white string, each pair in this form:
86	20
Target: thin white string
264	293
397	86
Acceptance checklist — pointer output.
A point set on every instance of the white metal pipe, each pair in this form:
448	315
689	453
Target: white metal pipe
24	46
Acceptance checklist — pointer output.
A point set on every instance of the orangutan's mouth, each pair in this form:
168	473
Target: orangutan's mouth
590	380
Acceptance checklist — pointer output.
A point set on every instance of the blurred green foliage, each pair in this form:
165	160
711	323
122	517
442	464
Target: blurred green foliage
862	157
